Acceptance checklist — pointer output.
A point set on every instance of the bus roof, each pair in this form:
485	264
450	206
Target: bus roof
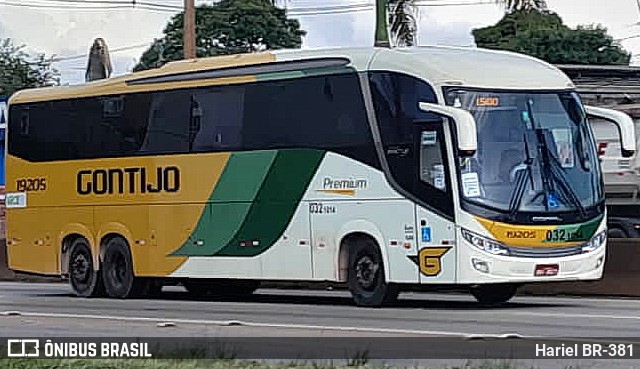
440	65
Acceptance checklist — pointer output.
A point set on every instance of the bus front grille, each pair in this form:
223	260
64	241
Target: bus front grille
545	252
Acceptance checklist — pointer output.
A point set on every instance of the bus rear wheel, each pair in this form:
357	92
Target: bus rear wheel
366	279
494	294
84	279
117	271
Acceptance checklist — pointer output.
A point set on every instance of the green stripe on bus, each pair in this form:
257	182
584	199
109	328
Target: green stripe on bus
255	200
243	176
276	202
579	232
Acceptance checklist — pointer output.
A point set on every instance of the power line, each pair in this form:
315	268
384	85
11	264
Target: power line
110	5
111	51
88	8
425	5
84	8
130	3
39	6
146	5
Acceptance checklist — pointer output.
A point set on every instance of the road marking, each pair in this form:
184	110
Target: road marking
586	316
261	325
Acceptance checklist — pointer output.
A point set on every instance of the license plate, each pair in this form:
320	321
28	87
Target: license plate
546	270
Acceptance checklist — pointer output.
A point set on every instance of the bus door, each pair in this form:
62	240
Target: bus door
435	233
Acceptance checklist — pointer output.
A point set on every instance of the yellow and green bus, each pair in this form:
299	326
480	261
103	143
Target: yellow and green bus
383	169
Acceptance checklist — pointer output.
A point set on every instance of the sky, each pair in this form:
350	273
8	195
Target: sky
53	28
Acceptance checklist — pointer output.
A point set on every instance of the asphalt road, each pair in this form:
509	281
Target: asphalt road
43	310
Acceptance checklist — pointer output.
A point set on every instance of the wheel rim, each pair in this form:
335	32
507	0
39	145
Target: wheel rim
80	269
367	272
119	271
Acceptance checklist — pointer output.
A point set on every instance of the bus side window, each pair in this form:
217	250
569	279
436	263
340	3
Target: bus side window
24	123
217	119
431	163
168	130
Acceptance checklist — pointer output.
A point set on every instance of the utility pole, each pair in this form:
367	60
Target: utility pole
189	29
382	34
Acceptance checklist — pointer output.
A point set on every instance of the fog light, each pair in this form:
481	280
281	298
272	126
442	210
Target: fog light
480	265
599	262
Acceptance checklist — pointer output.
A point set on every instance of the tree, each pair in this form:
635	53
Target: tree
513	5
227	27
402	22
18	70
398	16
542	34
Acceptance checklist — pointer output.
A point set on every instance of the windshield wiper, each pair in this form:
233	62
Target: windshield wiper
551	169
522	173
557	173
541	144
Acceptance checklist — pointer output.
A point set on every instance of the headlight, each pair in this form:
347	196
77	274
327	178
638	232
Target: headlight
485	244
597	241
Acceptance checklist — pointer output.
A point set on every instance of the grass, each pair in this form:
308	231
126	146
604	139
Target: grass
206	364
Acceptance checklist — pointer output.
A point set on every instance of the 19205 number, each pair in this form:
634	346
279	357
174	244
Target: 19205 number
31	184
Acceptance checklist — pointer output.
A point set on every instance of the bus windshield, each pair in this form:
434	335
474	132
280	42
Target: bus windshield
535	153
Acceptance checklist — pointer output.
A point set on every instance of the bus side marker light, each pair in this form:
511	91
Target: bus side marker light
393	243
407	245
256	243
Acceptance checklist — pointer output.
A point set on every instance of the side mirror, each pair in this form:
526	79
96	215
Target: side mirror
625	124
465	125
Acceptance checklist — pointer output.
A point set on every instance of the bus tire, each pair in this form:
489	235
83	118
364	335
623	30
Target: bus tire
117	271
494	294
366	277
615	232
84	279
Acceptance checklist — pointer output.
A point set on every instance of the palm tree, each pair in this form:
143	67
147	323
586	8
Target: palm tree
398	16
402	22
513	5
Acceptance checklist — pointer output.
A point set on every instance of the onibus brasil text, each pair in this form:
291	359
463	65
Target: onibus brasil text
37	348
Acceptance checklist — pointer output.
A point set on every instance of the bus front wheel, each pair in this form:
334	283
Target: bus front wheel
117	270
494	294
84	279
366	277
